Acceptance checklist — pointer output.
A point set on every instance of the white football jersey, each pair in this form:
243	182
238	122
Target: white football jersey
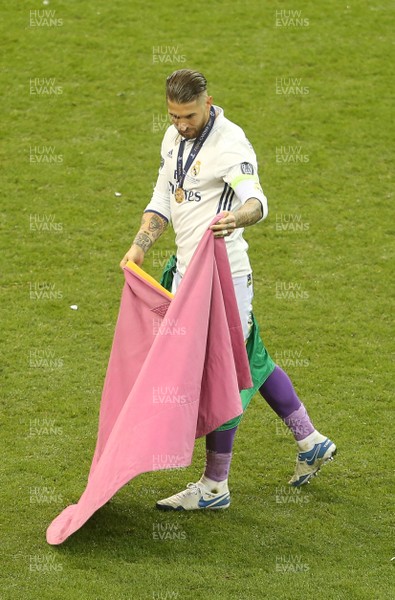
223	176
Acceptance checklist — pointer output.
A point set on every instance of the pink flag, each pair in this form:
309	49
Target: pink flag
175	371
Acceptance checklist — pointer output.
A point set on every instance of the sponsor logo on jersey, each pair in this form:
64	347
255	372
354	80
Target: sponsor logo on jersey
247	168
192	196
188	195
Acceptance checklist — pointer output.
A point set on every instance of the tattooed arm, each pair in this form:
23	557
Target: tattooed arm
151	228
248	214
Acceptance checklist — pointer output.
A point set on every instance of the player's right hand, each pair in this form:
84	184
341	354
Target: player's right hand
134	254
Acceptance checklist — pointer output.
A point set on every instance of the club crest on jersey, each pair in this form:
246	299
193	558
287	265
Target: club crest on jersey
195	170
247	168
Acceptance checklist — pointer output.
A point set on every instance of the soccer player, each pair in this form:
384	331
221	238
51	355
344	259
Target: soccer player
208	167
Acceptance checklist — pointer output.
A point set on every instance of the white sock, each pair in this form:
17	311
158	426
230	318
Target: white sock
215	487
309	442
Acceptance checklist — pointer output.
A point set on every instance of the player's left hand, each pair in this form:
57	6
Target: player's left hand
225	226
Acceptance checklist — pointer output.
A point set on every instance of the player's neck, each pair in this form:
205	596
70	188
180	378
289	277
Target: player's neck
206	123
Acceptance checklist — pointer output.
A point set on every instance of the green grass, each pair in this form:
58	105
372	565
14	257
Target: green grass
338	529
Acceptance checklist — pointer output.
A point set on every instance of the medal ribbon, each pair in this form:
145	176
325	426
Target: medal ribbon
182	171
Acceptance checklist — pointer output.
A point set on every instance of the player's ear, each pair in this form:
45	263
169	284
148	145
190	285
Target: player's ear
209	101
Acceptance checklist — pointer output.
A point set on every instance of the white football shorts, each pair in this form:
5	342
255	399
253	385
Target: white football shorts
244	294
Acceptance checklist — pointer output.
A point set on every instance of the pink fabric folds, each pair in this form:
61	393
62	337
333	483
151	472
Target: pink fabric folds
175	371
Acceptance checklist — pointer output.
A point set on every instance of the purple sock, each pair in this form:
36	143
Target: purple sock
220	441
279	393
299	423
219	454
217	465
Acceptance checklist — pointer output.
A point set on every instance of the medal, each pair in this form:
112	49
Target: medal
179	195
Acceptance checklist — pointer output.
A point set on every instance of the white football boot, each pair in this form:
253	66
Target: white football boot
205	494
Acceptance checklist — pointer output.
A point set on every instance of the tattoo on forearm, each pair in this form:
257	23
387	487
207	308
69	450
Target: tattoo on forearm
249	214
156	223
152	227
143	240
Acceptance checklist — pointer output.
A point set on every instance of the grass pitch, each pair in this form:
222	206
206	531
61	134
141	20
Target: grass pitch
83	116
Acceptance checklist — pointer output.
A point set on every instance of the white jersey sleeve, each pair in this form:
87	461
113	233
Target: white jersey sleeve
239	169
160	201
